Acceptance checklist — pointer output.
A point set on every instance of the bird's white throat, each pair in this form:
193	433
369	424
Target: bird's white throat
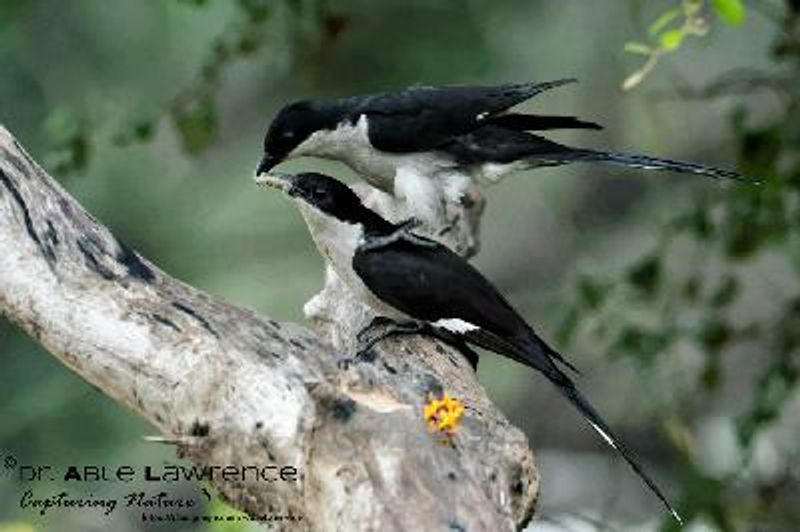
337	241
349	143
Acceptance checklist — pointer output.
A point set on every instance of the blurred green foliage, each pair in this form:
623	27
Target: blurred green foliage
671	28
153	113
732	229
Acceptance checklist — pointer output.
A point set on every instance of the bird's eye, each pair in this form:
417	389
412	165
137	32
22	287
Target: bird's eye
288	134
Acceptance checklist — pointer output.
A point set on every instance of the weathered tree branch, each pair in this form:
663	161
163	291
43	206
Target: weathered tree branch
235	388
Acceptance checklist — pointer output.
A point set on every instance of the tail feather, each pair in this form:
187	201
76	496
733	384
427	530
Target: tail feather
528	90
568	389
526	122
534	352
493	342
652	163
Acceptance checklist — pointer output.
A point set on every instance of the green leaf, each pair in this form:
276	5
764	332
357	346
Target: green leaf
140	130
692	288
760	148
730	11
741	239
671	40
9	12
699	222
591	293
62	125
638	48
775	387
664	20
703	495
692	7
249	42
646	275
257	10
70	144
711	374
641	343
726	293
714	334
196	122
566	329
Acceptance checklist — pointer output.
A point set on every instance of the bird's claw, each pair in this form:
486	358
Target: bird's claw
381	328
401	232
364	354
446	229
375	323
409	224
367	337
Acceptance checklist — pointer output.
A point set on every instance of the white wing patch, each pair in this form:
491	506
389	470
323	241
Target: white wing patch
455	325
604	434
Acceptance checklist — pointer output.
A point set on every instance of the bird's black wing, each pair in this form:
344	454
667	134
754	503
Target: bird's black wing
433	283
423	118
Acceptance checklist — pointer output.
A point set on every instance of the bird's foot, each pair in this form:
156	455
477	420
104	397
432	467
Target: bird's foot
381	328
401	232
448	227
376	324
409	224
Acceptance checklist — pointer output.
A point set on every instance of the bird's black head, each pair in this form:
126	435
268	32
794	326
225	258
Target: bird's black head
293	125
328	196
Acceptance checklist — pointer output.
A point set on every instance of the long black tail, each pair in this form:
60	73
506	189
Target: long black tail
593	418
650	163
534	352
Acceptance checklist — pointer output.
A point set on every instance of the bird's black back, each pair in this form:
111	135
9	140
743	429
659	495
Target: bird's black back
433	283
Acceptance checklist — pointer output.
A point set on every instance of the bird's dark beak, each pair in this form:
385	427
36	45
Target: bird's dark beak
267	163
277	180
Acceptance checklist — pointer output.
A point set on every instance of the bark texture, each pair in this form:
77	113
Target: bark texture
232	387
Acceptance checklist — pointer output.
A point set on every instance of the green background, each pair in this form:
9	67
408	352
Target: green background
676	295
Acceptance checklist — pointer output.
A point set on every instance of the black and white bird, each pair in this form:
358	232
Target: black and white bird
427	145
415	280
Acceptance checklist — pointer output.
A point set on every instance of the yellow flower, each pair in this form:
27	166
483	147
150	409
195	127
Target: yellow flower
443	415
